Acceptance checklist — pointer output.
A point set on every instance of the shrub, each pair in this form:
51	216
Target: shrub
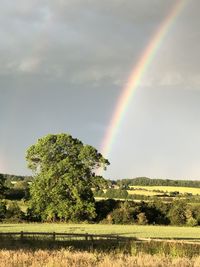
177	212
142	219
192	222
121	215
14	212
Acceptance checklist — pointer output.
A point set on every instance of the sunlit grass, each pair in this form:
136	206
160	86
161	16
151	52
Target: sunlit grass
125	230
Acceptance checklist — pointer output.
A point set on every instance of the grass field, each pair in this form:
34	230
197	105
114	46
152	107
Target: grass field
144	231
148	190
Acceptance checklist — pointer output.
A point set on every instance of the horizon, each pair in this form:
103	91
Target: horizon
118	179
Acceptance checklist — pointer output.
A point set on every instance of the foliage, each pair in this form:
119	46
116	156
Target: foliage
64	171
2	186
116	193
142	219
16	193
177	212
121	215
192	222
104	207
14	212
2	210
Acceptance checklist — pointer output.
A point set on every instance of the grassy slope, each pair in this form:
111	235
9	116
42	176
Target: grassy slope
126	230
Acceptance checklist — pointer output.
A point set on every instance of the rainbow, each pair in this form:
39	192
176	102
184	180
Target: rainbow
136	76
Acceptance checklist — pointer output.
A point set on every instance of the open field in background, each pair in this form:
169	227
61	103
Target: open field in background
143	231
149	189
144	192
121	199
69	258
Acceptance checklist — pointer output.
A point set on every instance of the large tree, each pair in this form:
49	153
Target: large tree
2	185
64	170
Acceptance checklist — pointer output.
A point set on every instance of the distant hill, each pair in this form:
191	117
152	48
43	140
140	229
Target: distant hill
145	181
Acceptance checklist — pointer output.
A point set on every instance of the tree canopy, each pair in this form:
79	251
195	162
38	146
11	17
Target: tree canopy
2	185
64	170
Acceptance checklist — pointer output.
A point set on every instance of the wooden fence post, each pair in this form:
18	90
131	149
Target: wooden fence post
21	234
92	241
86	236
54	236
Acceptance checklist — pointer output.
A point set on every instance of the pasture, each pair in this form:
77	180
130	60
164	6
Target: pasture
139	231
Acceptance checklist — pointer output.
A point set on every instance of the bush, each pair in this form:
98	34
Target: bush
142	219
177	212
14	212
116	193
192	222
121	215
104	207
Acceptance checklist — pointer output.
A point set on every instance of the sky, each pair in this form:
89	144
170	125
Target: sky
64	65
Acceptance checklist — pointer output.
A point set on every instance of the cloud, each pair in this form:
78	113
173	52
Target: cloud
91	42
29	65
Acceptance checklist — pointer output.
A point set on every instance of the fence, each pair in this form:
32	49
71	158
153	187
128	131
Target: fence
90	237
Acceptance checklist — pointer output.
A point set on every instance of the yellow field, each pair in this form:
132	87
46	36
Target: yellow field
149	192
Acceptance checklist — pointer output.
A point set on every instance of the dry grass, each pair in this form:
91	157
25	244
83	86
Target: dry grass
61	258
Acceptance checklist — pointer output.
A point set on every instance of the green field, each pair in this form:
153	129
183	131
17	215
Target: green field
146	231
149	190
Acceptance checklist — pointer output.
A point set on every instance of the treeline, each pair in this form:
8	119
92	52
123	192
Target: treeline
112	211
122	183
15	178
144	181
156	212
14	187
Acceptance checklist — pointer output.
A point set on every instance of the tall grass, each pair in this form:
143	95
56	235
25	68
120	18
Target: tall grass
63	258
173	249
121	246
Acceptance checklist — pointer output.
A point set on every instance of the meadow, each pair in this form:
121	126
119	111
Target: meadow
143	231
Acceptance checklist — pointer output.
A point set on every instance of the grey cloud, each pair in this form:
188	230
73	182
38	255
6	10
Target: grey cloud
81	34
